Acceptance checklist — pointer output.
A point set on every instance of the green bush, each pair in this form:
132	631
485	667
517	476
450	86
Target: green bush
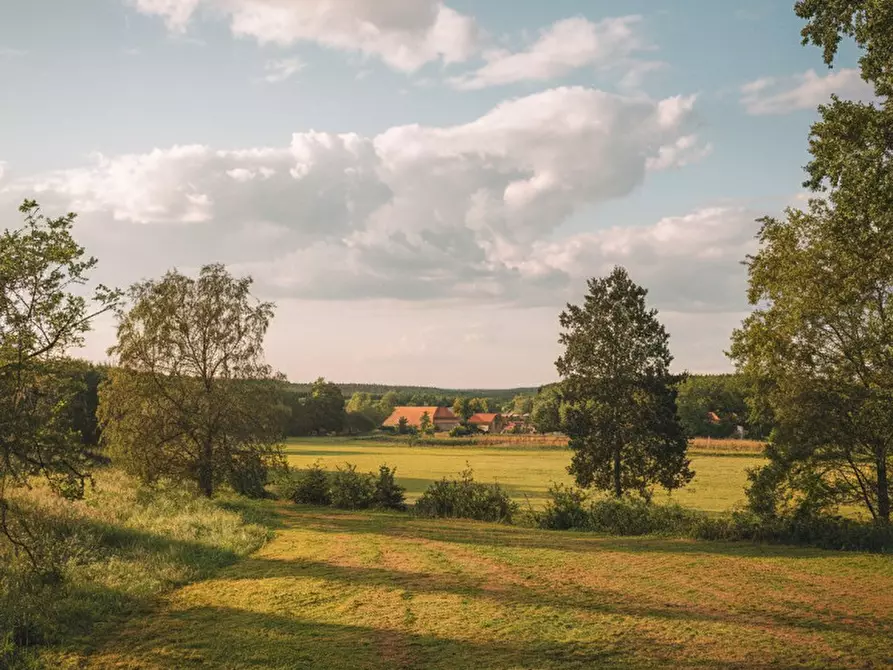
569	509
349	489
388	493
566	510
309	486
466	499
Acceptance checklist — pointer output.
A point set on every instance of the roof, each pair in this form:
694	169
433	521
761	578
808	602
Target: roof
483	417
413	415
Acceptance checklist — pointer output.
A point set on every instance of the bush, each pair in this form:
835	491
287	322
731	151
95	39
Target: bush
248	476
466	499
349	489
388	493
309	486
568	509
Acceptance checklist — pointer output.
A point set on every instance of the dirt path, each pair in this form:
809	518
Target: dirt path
371	590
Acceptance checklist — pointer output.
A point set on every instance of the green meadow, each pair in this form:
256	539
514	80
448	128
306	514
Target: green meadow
526	472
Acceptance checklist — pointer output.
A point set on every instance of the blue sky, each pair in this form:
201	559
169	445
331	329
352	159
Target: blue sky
471	162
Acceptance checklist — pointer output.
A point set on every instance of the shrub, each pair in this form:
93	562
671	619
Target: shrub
460	431
309	486
466	499
349	489
248	475
388	493
566	510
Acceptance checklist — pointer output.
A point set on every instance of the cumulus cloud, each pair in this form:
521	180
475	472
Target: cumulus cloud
405	35
415	213
565	46
782	95
279	70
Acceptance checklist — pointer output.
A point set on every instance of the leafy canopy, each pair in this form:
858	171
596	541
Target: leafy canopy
191	397
819	345
45	309
620	397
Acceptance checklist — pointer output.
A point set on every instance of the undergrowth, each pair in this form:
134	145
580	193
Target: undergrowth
108	555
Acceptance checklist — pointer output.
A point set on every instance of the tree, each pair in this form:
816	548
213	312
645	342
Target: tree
425	425
703	395
327	404
620	411
522	404
868	22
191	397
479	405
402	425
388	402
545	414
462	408
41	317
819	343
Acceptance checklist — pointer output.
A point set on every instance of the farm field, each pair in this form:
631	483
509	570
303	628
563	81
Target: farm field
525	471
340	590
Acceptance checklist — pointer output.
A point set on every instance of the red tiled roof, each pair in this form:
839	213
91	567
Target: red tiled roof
413	415
482	417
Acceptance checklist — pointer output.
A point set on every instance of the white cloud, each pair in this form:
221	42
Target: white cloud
2	169
565	46
405	35
8	52
774	95
414	213
281	69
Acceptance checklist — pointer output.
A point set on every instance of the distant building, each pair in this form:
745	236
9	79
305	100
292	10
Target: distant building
442	417
487	422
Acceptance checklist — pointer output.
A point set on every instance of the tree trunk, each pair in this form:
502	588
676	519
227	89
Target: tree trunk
206	470
618	486
883	489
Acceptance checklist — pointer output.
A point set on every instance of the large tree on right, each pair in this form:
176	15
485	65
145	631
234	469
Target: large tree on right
619	395
819	346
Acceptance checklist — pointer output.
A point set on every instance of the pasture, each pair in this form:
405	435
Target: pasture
524	469
339	590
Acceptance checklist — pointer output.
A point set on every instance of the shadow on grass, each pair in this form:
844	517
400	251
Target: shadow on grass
237	638
496	535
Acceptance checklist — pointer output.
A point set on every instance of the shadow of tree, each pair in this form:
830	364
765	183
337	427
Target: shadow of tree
222	637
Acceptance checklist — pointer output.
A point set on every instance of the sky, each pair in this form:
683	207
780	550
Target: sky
419	186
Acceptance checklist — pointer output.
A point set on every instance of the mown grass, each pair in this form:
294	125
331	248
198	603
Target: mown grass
115	552
525	471
385	590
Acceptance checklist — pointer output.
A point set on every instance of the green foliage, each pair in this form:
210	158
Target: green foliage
309	486
388	493
40	318
869	22
344	488
402	425
191	397
570	509
466	499
426	427
522	404
462	430
462	408
545	413
722	395
620	397
110	555
349	489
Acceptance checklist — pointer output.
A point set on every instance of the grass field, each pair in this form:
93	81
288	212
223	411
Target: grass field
525	471
337	590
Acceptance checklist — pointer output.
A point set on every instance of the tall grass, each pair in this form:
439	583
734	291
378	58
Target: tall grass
109	555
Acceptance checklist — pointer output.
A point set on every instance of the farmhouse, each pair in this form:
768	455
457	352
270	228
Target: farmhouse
487	422
442	417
